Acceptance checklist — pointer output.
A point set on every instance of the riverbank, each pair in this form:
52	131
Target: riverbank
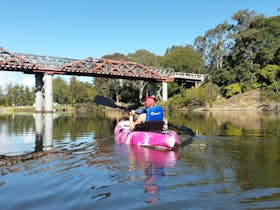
79	108
31	109
248	101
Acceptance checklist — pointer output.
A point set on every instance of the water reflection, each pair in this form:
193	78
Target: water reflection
22	134
153	164
239	168
43	127
228	123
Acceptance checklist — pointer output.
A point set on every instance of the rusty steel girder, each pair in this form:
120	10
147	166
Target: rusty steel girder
113	69
12	62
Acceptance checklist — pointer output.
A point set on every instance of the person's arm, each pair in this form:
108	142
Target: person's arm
139	120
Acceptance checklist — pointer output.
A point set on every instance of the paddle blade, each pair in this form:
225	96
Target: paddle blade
184	129
101	100
187	130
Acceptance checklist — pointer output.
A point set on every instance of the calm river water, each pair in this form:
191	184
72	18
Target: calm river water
72	162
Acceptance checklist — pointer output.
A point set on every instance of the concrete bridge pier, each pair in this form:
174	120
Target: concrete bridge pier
48	132
44	131
43	101
48	87
164	91
39	100
197	84
38	131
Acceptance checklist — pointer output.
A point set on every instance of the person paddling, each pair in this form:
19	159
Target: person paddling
150	119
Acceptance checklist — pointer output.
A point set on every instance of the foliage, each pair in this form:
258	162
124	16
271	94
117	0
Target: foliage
144	57
232	89
248	47
195	97
140	88
175	102
174	88
183	59
19	95
116	56
270	74
270	94
61	91
80	92
129	93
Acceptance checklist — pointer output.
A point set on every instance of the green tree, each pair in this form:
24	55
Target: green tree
267	40
148	59
114	85
232	89
183	59
101	87
256	44
28	95
218	44
19	95
270	75
61	91
145	58
116	56
81	92
2	98
200	45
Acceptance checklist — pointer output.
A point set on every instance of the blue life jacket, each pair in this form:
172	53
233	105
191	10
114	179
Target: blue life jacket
154	113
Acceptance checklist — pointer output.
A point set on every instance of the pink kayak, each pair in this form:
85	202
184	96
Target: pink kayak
165	140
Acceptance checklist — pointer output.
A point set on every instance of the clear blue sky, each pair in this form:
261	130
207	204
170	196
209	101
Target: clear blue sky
84	28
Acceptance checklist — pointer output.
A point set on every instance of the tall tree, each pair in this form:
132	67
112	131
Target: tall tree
114	85
200	45
81	92
61	91
148	59
183	59
145	58
244	36
271	73
218	45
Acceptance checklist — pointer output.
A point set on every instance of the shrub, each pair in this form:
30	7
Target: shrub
232	89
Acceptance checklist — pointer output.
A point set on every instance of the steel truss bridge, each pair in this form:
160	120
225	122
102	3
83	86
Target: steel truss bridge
47	66
94	67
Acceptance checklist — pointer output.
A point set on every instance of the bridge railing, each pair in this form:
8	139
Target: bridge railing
192	76
163	71
43	60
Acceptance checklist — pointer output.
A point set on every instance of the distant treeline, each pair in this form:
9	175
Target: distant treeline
238	57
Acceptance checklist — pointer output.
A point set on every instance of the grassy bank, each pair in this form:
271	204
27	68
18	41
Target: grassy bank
250	100
31	109
79	108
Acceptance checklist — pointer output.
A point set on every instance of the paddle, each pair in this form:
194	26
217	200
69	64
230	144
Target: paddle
183	129
101	100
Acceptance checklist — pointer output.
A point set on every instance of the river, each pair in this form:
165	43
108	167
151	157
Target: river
71	161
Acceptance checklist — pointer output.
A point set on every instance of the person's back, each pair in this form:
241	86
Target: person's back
151	119
154	113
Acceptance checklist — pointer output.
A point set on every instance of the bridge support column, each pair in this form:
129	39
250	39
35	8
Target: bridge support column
48	87
48	132
164	92
39	101
38	131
